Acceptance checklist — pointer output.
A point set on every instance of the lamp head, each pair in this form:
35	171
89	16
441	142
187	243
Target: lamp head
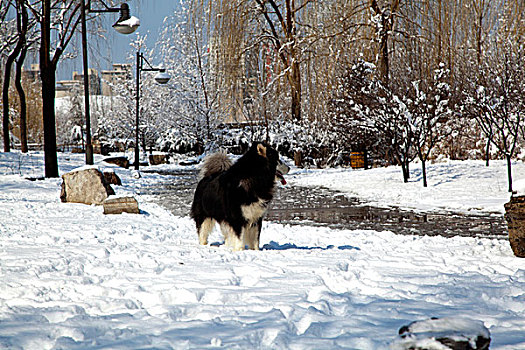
162	77
126	24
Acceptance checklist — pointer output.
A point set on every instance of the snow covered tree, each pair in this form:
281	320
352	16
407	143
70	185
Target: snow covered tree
429	106
193	110
495	100
498	105
365	105
70	119
351	108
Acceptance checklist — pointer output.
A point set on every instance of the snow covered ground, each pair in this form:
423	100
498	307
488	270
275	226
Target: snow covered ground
73	278
461	186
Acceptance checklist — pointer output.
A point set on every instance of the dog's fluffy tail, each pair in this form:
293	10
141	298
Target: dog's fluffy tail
215	163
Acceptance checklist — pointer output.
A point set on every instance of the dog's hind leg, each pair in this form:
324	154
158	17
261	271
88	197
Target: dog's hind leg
204	230
228	233
231	238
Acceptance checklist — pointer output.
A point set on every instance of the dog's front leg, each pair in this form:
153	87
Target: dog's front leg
251	236
258	233
238	243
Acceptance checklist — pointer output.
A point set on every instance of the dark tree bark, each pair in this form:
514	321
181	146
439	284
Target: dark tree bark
424	168
295	83
509	171
406	171
47	75
22	30
5	100
7	79
23	103
383	32
487	152
22	97
48	66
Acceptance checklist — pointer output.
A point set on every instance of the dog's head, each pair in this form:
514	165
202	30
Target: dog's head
264	149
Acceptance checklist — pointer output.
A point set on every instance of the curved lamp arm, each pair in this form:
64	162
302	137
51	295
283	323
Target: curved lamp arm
126	24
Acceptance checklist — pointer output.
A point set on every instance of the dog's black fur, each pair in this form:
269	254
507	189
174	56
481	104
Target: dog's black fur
236	195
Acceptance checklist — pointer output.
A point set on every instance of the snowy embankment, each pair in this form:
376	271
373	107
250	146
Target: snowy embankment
73	278
461	186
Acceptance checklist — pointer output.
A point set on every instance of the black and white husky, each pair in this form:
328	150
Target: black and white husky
236	196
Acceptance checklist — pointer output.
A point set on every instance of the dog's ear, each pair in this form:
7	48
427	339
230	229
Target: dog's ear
261	150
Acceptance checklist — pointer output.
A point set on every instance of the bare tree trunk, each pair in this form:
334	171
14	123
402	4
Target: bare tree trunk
424	169
23	104
422	158
5	101
296	91
21	23
480	11
291	33
22	30
405	170
509	171
383	33
384	66
487	153
5	94
405	167
47	75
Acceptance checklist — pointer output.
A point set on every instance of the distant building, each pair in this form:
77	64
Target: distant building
65	88
121	72
98	85
94	81
32	74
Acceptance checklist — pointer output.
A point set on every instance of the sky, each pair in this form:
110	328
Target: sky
116	47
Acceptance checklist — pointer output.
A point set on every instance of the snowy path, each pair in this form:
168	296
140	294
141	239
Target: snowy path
73	278
319	206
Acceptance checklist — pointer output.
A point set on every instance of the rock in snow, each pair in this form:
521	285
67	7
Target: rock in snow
447	333
120	161
85	185
515	216
112	178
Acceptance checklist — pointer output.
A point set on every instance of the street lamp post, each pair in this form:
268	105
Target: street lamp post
162	78
126	24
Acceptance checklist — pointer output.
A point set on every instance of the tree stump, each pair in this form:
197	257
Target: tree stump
119	205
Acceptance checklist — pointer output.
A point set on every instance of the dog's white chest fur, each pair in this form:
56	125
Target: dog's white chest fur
253	212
